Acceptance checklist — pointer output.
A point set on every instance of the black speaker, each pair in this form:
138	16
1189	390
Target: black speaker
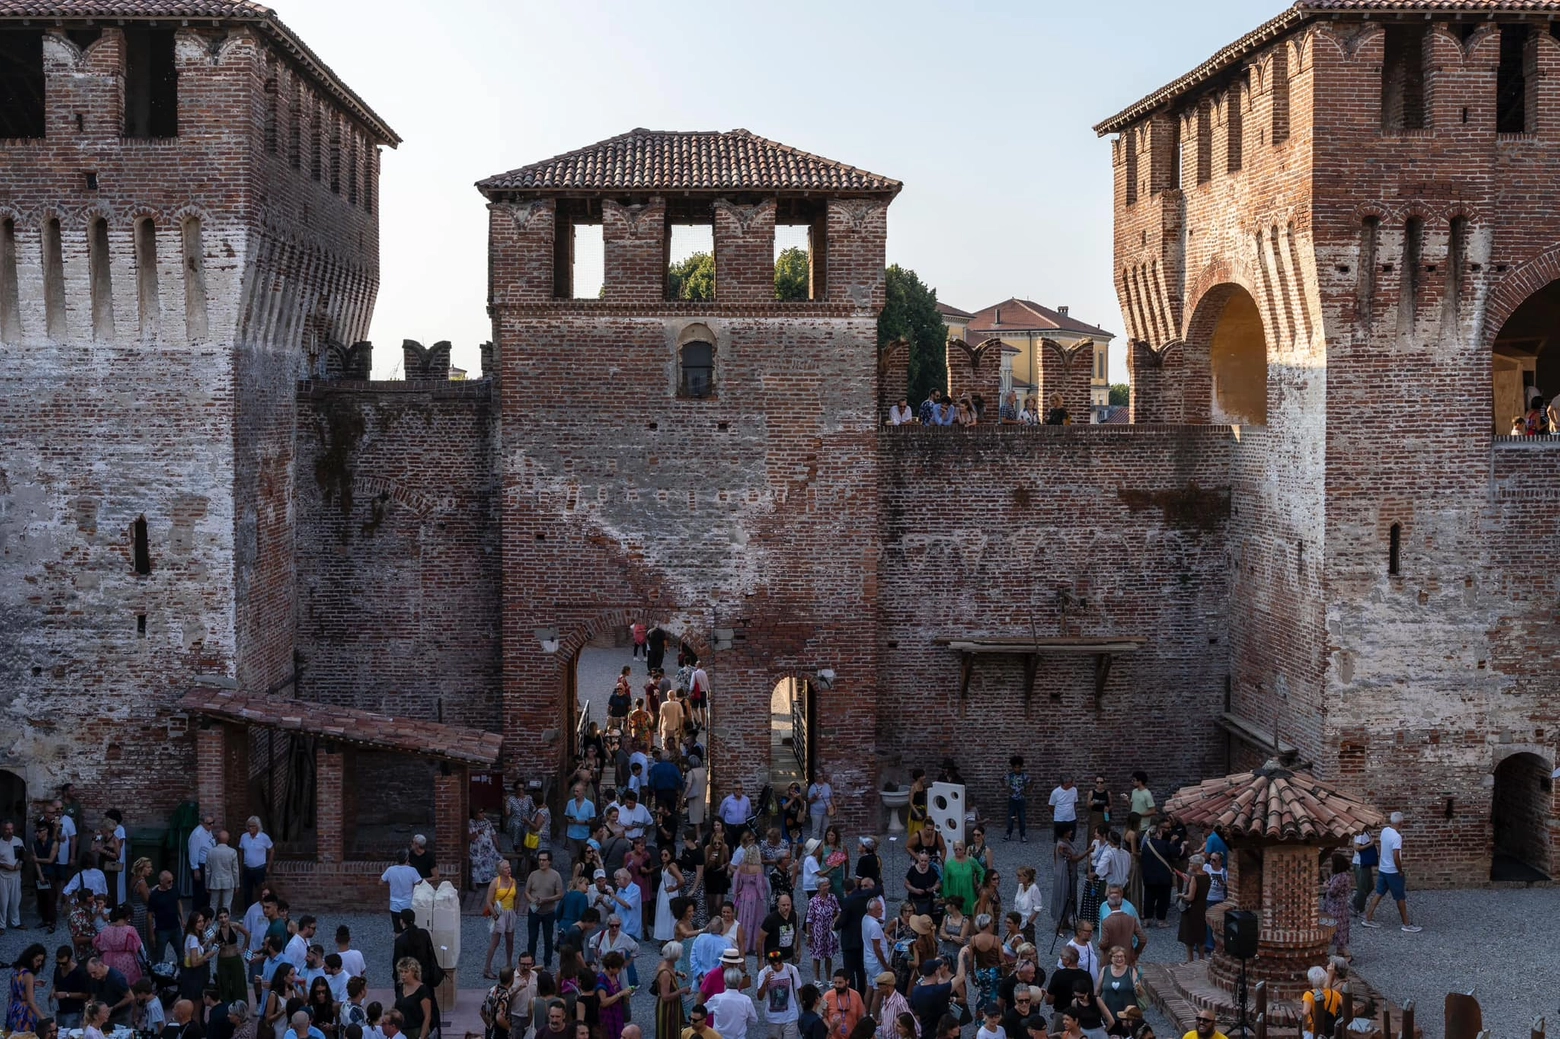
1240	933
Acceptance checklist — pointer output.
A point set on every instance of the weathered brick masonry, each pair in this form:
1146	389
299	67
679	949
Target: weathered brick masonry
1311	525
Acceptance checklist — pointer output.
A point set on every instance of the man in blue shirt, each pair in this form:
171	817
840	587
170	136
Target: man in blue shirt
302	1028
665	781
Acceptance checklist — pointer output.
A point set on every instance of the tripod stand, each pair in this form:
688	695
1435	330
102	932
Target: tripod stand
1240	998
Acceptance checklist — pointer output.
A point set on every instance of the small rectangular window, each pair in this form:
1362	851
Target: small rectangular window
53	280
1395	550
102	282
1456	259
151	84
10	296
1511	80
146	277
1403	79
21	83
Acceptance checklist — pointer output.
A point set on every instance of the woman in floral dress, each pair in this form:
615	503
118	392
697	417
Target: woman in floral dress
1335	903
484	848
822	941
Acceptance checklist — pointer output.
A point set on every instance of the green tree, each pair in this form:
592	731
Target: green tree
1120	394
793	275
693	278
911	312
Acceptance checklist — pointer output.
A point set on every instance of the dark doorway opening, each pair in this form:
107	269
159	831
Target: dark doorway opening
21	83
13	801
1521	815
151	84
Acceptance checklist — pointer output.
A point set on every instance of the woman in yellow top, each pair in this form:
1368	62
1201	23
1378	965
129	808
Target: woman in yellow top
499	905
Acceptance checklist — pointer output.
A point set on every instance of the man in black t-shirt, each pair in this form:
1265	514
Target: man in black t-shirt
167	917
420	858
1028	973
110	988
71	988
780	930
1059	992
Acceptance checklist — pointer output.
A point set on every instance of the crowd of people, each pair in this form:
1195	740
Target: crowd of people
940	409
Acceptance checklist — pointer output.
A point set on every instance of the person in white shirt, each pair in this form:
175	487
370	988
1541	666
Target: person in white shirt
874	946
13	856
731	1011
1389	876
779	984
351	959
900	413
297	950
255	849
90	878
1082	942
1064	807
820	795
403	879
1027	902
202	839
633	816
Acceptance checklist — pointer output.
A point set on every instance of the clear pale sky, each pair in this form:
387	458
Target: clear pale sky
982	109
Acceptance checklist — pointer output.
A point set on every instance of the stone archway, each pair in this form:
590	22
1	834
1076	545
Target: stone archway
1525	357
1522	815
1226	359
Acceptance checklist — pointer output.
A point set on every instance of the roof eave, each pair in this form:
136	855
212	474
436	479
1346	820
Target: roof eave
1260	36
496	191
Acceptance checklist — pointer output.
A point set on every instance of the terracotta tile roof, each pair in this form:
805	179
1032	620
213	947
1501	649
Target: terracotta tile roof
949	310
348	725
649	160
1301	12
245	11
1276	804
1022	315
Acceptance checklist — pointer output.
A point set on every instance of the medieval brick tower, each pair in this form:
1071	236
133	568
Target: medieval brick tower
710	463
1339	234
187	225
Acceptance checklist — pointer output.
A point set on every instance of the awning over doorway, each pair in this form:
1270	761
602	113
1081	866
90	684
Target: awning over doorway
348	725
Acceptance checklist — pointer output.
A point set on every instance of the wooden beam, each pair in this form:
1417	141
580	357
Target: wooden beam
1101	674
1031	665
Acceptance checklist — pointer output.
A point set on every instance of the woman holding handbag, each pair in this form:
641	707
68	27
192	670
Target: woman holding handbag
498	905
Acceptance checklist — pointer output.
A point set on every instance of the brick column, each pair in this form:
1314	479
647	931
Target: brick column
451	788
328	829
1069	373
211	767
975	371
1156	382
1290	937
745	251
633	241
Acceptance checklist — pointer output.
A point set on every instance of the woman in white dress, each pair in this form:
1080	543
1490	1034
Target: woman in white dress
671	887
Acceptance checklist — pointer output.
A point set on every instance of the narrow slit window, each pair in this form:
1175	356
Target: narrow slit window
21	83
53	280
1511	80
140	551
1129	145
295	126
1365	290
1204	142
194	281
370	175
271	114
151	84
1395	550
102	282
1456	258
352	169
335	153
10	296
1413	244
316	142
1235	123
1280	73
146	276
1403	79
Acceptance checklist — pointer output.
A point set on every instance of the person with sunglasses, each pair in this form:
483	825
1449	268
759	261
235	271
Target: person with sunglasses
1206	1027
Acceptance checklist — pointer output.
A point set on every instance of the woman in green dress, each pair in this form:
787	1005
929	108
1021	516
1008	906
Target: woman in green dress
962	875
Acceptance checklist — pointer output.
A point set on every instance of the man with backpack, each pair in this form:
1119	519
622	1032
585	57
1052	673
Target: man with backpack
495	1007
